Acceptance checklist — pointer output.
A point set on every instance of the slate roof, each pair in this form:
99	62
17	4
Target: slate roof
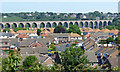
59	35
22	36
13	41
28	41
4	40
111	51
98	51
36	50
91	56
114	61
26	31
74	35
6	34
61	47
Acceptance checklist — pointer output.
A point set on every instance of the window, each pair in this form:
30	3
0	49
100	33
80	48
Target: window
6	43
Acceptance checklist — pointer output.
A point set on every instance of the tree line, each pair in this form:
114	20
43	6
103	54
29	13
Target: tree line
50	16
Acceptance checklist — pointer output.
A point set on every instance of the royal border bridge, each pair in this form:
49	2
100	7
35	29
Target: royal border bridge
94	24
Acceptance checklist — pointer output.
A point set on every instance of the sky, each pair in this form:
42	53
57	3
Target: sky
59	0
71	6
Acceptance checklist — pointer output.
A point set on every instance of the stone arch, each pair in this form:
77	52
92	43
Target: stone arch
100	24
42	25
91	25
59	24
27	25
66	24
76	23
7	25
70	24
1	26
109	23
54	24
86	24
81	25
96	25
21	25
48	25
104	23
14	25
34	25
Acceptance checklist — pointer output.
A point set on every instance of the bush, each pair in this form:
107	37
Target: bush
53	47
38	32
119	48
73	44
29	61
17	29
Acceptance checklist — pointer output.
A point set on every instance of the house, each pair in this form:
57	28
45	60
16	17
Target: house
97	18
93	62
10	48
34	46
12	32
34	37
43	51
75	36
73	15
83	16
48	61
86	36
44	60
35	42
61	47
23	36
59	37
44	35
64	37
4	35
4	43
45	31
27	32
114	62
79	44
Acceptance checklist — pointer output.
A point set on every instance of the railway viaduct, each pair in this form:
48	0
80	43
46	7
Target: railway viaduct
94	24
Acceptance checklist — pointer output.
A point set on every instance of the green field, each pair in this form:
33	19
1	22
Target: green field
14	18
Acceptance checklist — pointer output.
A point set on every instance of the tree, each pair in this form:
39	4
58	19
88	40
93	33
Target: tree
4	64
29	61
110	39
74	29
114	21
6	29
117	39
60	29
13	60
38	32
73	59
